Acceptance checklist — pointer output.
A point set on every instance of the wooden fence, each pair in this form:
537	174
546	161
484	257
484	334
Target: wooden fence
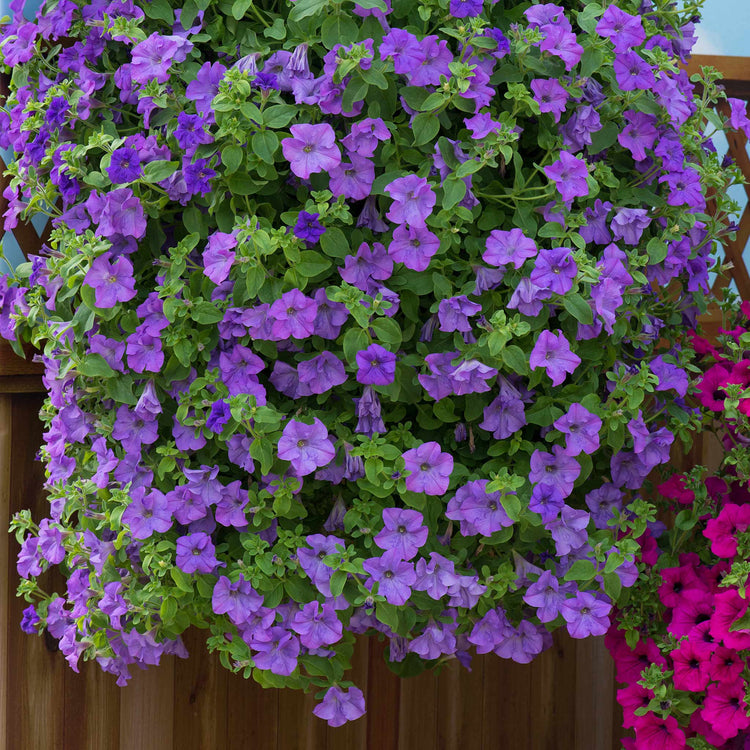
564	700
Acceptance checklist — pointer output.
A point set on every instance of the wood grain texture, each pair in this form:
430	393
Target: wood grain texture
6	444
383	699
418	710
594	687
147	709
12	364
92	709
506	704
252	715
200	697
354	733
459	705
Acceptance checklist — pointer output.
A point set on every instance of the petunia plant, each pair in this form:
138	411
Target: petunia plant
356	317
681	638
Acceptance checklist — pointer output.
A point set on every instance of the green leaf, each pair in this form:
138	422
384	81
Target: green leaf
156	171
312	263
239	8
387	614
183	580
581	570
265	143
95	366
387	331
657	250
339	28
97	180
591	61
355	340
304	8
232	156
604	138
168	609
242	184
425	127
454	190
369	4
120	389
203	311
578	308
159	10
333	242
276	31
515	359
279	115
612	586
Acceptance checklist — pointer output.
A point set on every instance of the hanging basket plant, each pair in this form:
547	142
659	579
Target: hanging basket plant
356	318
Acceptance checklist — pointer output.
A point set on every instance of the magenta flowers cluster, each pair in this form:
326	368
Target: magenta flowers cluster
348	327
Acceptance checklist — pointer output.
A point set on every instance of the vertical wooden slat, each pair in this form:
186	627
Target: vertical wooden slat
594	686
417	721
459	708
252	715
92	710
6	442
200	697
553	676
507	700
297	726
383	699
147	709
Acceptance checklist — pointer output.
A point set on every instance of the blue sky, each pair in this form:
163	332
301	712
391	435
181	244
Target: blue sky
725	29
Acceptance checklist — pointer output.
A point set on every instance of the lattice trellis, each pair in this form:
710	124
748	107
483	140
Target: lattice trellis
736	75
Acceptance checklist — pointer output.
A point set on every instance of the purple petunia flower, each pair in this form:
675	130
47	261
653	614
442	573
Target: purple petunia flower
317	626
393	575
124	166
552	352
479	511
547	596
602	502
505	415
293	316
557	469
413	200
321	373
218	416
377	366
112	282
352	179
196	553
633	72
238	600
311	149
586	615
639	134
404	531
429	469
311	560
306	446
581	430
153	57
569	175
219	256
465	8
512	246
628	224
308	228
622	29
454	313
554	270
205	87
147	513
569	530
339	706
550	96
413	246
367	410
